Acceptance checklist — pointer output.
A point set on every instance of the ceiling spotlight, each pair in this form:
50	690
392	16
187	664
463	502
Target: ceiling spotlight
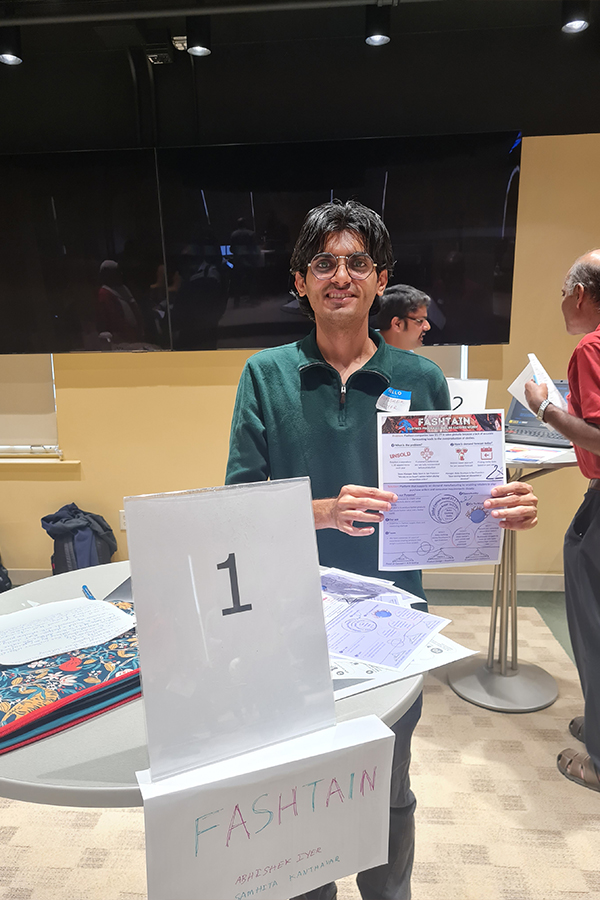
10	45
575	16
198	35
378	25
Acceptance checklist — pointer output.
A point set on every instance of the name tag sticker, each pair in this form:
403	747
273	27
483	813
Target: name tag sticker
395	401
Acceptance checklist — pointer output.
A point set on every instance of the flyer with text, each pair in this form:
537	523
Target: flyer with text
442	466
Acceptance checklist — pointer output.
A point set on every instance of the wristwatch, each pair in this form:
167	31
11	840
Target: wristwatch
542	409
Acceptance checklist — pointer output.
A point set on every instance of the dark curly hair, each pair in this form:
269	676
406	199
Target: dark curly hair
400	300
335	217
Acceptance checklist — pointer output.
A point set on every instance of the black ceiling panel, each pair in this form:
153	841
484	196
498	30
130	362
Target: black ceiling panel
294	74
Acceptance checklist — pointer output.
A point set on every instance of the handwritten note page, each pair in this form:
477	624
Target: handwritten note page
59	627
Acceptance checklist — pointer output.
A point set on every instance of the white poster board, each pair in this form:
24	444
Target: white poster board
467	394
273	823
232	639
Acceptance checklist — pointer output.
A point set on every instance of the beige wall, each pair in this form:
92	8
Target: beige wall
137	423
159	422
559	219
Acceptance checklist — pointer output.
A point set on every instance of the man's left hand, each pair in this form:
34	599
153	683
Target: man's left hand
514	504
534	394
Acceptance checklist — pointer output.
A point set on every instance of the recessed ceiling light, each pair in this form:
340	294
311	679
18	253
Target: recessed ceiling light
575	16
378	25
198	35
10	45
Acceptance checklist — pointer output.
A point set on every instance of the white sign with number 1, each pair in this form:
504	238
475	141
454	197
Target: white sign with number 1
227	592
252	788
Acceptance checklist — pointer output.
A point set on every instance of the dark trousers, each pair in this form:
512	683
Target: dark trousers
582	595
391	881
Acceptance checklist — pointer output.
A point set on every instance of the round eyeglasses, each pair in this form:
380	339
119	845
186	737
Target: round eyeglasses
358	265
419	320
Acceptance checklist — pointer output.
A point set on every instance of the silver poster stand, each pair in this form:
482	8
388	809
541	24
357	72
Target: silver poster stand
500	683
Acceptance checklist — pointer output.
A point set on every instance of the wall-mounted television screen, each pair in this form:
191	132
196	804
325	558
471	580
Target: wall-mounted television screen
189	248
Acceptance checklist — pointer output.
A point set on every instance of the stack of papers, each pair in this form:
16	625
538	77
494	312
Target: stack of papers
375	636
351	588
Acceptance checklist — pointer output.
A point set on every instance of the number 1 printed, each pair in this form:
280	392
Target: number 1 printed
229	563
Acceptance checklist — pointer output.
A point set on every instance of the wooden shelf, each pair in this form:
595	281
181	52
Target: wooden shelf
39	468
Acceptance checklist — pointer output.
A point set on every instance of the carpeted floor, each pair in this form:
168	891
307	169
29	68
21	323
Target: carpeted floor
495	820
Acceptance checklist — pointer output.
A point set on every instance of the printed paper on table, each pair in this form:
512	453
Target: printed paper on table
354	676
381	633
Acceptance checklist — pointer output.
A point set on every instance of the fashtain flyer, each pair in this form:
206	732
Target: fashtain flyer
443	467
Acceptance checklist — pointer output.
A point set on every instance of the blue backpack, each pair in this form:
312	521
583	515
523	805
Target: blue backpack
81	539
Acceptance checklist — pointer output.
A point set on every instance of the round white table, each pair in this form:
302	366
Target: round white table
94	764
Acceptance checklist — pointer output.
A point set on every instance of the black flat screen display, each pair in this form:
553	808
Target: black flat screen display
189	248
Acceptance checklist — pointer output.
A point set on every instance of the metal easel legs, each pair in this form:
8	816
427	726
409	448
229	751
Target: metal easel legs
499	683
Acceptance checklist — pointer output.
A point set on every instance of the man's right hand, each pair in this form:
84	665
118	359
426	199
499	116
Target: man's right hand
534	394
354	503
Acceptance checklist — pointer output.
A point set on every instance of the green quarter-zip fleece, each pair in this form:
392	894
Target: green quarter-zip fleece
293	417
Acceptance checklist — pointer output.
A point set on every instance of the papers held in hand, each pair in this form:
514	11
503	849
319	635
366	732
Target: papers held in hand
535	371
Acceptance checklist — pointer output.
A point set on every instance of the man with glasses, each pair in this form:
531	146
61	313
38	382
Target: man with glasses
402	318
309	408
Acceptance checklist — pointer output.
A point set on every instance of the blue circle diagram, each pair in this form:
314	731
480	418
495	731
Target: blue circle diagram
477	515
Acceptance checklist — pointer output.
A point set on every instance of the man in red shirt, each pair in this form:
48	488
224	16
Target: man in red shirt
581	424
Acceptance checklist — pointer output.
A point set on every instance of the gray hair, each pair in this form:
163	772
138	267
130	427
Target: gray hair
588	275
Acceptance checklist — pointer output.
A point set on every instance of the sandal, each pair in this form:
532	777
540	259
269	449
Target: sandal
578	767
577	728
